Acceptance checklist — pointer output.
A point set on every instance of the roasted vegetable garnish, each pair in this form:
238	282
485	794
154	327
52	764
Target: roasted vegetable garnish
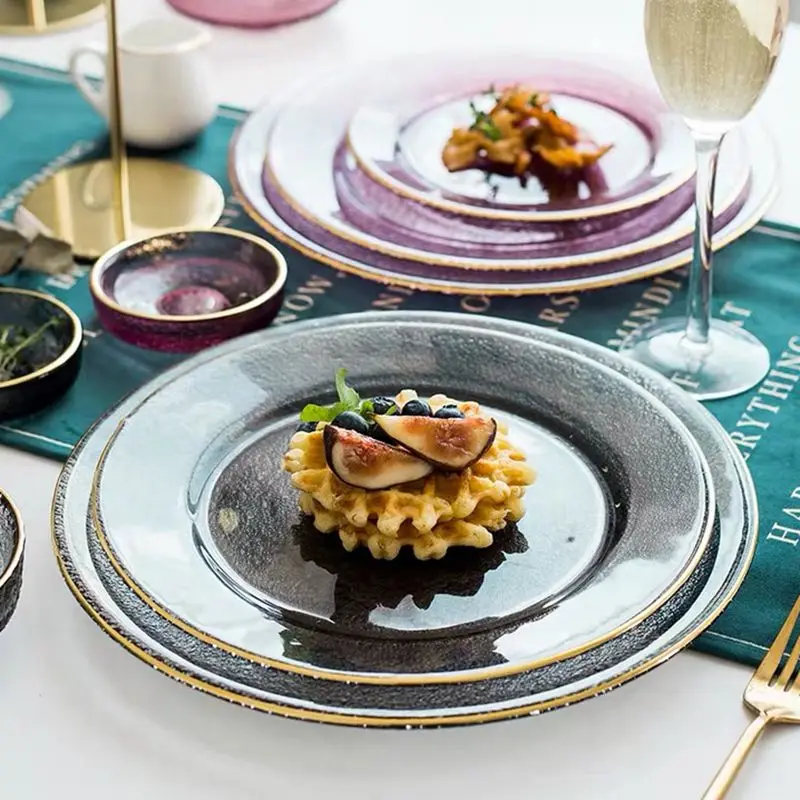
520	128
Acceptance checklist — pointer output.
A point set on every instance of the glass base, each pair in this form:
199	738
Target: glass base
732	362
76	203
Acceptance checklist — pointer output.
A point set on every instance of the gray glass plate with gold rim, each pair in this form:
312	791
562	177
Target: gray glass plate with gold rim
143	632
617	520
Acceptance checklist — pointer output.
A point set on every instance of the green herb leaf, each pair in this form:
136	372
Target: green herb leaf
534	101
367	408
347	395
315	413
349	400
486	126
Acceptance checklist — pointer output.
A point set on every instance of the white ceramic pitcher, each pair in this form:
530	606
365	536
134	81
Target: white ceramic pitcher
166	82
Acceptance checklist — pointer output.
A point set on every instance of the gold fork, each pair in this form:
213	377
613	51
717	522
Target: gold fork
775	699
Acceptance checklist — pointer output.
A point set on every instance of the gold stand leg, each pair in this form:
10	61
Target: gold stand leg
96	205
120	195
39	17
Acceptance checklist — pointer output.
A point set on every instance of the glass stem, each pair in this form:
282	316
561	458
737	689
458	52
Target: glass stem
699	301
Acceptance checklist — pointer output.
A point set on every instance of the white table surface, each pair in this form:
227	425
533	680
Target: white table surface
79	717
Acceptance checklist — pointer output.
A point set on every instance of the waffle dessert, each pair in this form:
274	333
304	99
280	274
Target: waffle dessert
387	477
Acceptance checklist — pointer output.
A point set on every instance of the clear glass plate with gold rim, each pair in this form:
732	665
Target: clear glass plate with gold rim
618	518
173	650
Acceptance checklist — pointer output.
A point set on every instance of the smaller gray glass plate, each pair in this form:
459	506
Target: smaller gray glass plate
617	521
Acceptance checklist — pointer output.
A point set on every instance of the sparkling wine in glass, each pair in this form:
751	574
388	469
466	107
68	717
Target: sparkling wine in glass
712	60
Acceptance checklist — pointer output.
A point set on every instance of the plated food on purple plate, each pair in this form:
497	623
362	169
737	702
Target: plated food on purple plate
518	135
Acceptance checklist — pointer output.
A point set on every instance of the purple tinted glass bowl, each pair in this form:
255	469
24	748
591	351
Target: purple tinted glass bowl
12	551
183	291
251	13
56	354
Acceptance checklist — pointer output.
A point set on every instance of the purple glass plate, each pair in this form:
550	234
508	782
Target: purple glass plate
402	229
246	169
308	125
378	211
398	138
422	272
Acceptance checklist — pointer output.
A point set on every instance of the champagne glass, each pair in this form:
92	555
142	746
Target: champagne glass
712	60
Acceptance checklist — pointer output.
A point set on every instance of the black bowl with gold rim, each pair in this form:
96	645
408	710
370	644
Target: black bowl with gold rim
183	291
12	547
40	351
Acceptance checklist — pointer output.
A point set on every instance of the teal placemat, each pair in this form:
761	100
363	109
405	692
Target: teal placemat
758	285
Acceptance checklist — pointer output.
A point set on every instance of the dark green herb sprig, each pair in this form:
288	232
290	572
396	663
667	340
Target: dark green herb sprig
14	341
484	124
349	400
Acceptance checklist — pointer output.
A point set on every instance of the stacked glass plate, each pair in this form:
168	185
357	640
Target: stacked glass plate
348	169
180	534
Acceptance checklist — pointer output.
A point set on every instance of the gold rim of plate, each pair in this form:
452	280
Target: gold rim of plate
474	676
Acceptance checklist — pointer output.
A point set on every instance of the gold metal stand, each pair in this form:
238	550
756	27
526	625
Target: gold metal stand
98	204
39	17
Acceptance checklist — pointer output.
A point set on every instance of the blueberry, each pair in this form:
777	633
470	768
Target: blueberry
352	422
383	405
449	411
416	408
307	427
